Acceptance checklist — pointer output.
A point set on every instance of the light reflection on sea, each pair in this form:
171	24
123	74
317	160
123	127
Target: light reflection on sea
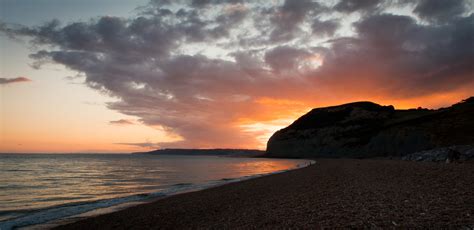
32	182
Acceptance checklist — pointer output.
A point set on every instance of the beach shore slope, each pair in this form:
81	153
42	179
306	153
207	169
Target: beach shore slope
331	193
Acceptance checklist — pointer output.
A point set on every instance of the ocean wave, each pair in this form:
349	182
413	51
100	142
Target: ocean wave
34	217
28	217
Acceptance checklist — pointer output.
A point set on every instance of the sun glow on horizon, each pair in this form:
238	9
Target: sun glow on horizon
189	74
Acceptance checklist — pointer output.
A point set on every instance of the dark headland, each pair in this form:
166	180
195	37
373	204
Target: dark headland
392	172
366	129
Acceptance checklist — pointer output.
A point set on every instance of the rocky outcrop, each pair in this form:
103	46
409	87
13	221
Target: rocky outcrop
446	154
366	129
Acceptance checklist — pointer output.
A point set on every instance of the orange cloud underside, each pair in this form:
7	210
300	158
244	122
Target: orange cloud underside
258	122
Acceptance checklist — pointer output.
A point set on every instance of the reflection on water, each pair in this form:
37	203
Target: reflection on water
31	182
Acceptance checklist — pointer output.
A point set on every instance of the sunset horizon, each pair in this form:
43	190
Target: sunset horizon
216	75
236	114
148	146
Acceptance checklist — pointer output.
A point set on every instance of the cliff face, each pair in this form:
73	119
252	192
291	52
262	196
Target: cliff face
366	129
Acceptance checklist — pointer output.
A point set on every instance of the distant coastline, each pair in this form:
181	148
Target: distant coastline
207	152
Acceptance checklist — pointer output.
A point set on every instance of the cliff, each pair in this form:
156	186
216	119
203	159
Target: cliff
366	129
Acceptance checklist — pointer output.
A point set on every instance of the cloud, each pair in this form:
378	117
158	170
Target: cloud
121	122
147	145
285	58
324	28
354	5
439	10
204	3
206	72
289	16
421	58
4	81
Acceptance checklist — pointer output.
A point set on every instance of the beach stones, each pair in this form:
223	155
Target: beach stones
446	154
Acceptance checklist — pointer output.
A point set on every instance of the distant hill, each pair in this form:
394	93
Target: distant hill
366	129
207	152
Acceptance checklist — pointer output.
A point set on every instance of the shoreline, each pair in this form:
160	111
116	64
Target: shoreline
330	193
121	206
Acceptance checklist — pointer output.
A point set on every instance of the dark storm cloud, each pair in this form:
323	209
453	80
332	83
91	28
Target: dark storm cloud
4	81
199	70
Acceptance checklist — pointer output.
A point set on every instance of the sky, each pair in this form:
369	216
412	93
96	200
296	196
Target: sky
125	76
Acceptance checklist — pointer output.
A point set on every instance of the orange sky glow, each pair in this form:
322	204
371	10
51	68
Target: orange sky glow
190	74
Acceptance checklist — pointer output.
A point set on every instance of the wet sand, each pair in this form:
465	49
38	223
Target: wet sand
331	193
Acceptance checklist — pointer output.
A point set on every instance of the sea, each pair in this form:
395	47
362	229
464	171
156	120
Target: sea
36	189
